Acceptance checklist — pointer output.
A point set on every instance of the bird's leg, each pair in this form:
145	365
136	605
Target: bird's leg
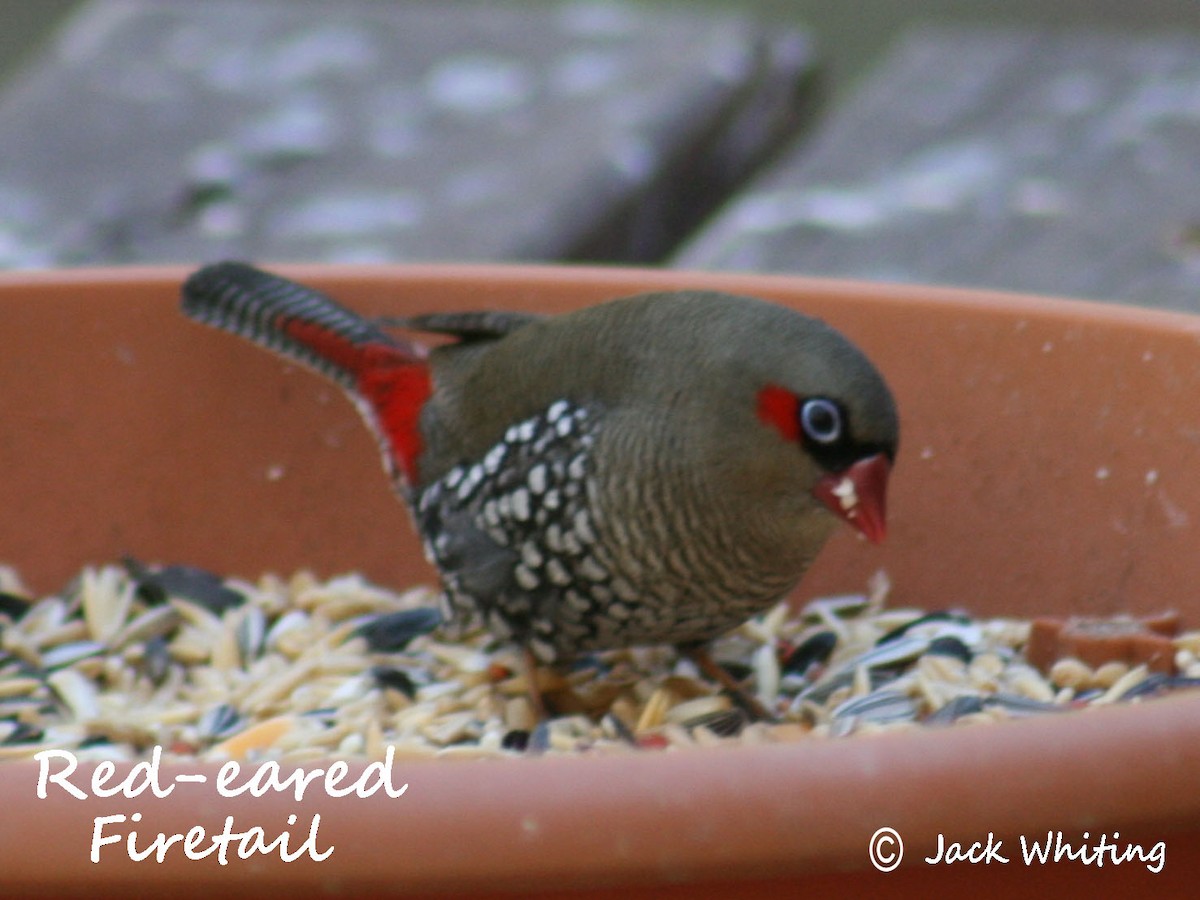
530	664
698	653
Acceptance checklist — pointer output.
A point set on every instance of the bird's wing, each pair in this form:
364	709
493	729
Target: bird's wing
486	325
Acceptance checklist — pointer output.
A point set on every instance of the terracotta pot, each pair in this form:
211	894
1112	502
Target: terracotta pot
1048	464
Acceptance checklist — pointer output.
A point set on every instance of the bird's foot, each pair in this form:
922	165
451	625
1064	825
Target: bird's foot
698	654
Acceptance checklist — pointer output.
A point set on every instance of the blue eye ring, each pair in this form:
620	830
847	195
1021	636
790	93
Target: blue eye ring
821	421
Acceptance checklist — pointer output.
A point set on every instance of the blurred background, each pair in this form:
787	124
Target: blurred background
1048	146
852	35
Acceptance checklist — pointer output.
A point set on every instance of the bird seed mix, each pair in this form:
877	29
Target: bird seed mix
129	657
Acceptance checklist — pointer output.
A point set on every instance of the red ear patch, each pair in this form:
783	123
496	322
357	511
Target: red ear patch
780	408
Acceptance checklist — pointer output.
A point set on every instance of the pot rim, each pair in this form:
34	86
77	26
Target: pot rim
505	276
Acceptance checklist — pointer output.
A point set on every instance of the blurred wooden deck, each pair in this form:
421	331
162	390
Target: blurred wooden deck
1058	162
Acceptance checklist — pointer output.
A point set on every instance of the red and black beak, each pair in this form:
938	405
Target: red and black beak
859	495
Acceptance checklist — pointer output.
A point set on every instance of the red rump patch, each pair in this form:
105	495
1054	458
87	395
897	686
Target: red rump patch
780	408
397	389
394	380
328	345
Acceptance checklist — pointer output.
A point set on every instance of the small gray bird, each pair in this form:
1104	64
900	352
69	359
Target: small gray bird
654	469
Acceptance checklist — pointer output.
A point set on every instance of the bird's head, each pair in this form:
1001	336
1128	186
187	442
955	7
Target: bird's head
853	467
805	421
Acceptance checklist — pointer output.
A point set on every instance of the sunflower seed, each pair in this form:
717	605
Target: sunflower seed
949	645
956	708
396	679
878	706
1159	683
1020	706
251	633
219	721
13	606
517	739
21	733
815	649
722	723
68	654
394	631
184	583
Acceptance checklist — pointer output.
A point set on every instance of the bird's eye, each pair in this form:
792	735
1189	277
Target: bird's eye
821	420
